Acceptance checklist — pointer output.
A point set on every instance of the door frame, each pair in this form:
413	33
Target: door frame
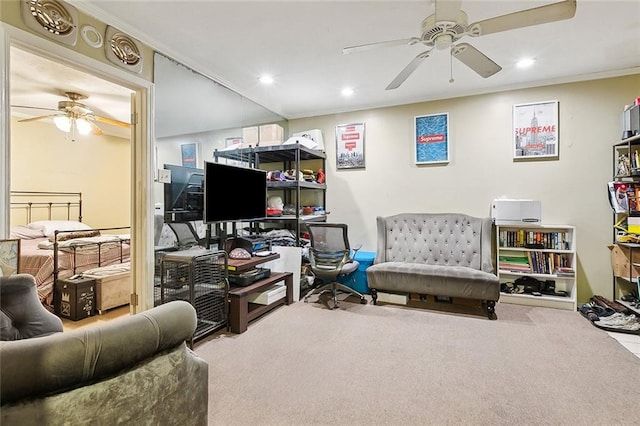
142	202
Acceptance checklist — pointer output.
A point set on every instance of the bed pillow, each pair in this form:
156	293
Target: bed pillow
75	234
48	227
25	233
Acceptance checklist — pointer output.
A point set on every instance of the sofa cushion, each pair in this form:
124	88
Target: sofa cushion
435	280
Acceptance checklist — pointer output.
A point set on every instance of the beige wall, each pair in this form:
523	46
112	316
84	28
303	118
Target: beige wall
97	166
481	168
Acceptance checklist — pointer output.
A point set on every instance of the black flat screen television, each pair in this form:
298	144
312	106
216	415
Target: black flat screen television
184	196
233	193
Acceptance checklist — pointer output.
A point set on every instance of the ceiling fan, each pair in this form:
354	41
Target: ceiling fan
71	115
449	24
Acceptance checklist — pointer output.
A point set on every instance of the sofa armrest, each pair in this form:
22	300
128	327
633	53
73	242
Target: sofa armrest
63	361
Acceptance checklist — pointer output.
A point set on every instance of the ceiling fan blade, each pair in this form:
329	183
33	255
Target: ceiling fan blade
407	41
95	129
447	10
33	107
26	120
475	59
111	121
406	72
525	18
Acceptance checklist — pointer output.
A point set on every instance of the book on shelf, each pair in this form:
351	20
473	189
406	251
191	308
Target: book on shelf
565	271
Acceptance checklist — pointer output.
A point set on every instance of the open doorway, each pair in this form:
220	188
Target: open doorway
50	162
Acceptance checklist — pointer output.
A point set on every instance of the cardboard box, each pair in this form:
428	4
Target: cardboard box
250	136
269	143
74	299
271	134
621	262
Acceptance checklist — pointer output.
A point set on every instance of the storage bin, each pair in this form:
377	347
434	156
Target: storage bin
74	298
358	281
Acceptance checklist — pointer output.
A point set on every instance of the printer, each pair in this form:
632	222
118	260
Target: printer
505	211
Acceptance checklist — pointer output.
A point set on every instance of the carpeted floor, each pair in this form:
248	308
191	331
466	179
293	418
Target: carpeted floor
388	365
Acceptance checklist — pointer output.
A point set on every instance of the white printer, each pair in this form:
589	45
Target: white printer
505	211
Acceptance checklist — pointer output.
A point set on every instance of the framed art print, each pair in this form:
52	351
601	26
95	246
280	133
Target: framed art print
535	130
9	257
189	153
431	138
350	146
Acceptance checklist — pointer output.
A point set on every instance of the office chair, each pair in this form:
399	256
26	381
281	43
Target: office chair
186	236
330	256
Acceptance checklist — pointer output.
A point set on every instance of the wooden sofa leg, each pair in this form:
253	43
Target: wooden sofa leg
374	295
491	309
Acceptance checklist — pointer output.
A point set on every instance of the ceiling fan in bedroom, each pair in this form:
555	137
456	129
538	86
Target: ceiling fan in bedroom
444	28
72	116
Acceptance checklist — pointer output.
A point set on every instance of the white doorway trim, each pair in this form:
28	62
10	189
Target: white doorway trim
142	202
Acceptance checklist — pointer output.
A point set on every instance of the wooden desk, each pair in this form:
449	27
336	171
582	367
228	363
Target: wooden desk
241	312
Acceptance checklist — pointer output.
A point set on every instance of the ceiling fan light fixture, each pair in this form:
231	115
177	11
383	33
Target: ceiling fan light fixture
62	122
83	126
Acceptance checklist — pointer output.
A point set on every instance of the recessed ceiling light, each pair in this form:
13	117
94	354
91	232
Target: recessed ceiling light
347	91
525	63
266	79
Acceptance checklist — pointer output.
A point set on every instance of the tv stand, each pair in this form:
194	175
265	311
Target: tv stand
241	311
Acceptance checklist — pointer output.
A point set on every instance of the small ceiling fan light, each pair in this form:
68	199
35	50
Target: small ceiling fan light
83	126
62	122
525	62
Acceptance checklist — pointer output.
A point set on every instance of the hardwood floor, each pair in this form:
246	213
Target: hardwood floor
96	319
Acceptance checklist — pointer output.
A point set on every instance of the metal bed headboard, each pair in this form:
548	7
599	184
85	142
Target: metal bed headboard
51	201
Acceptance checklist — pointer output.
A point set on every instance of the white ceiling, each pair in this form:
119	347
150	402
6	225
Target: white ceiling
300	43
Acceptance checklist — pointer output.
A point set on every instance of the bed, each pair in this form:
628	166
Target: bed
54	242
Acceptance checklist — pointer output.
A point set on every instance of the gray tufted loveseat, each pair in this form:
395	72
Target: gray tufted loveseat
437	254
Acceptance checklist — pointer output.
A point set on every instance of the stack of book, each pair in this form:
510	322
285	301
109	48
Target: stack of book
564	271
514	262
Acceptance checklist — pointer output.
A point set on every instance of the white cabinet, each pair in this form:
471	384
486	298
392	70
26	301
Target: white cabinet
544	252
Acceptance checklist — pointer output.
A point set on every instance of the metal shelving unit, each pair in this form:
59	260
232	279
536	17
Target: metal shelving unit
290	156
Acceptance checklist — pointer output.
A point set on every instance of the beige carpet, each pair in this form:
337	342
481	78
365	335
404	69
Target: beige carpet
387	365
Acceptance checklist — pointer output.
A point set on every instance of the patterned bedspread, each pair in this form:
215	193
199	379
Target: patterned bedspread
39	261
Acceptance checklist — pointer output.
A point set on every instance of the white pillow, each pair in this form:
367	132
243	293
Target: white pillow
48	227
25	233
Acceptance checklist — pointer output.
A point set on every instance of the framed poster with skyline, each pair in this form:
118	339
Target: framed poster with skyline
350	146
535	130
431	138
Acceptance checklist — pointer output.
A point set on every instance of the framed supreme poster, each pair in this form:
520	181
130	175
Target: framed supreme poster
431	138
350	146
189	152
535	130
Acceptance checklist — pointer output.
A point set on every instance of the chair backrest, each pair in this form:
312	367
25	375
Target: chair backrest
22	315
185	234
329	250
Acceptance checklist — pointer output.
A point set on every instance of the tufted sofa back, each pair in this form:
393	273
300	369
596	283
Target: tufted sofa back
449	239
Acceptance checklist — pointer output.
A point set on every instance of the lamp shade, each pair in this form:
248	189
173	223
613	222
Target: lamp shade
62	122
83	126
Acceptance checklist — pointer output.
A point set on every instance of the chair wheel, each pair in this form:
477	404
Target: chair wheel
363	301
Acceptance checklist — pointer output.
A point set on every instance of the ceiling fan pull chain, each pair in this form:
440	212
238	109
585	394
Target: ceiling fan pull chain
451	65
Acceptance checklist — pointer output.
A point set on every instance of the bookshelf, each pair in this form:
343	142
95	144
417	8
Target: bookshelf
544	252
624	197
